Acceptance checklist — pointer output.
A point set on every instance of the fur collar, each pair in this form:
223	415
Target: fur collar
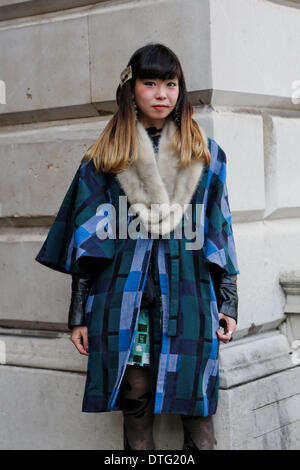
155	180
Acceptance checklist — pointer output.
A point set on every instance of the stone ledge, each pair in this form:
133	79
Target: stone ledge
24	348
254	357
50	114
37	328
287	3
19	9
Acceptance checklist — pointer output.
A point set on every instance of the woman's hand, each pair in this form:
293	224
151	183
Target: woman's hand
229	324
79	337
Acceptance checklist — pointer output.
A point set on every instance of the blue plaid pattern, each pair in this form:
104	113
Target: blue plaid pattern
184	347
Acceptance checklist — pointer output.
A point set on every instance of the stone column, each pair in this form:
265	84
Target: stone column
290	283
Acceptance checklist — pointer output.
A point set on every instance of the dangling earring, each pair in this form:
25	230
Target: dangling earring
177	115
135	109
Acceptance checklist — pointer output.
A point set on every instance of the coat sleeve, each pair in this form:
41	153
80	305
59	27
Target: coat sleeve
72	245
225	286
219	245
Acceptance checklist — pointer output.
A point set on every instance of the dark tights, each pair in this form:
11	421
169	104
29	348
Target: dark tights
198	432
137	404
137	401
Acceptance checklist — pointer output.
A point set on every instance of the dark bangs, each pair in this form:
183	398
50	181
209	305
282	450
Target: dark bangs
155	61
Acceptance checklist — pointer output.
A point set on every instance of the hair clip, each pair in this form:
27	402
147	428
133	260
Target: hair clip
125	75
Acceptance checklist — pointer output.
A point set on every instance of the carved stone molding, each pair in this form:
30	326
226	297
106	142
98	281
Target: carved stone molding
290	282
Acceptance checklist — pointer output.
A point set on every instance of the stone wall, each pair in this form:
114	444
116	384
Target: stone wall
61	63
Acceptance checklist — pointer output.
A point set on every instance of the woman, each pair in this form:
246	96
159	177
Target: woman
152	278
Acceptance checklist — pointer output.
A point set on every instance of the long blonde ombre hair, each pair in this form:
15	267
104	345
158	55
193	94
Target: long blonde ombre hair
116	147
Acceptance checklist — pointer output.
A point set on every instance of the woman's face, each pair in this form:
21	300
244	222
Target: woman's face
155	100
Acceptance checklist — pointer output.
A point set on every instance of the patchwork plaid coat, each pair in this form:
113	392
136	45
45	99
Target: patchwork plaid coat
184	345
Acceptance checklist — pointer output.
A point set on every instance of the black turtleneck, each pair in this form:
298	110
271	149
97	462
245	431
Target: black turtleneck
155	134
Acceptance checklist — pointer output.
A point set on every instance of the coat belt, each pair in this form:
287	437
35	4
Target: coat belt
174	288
